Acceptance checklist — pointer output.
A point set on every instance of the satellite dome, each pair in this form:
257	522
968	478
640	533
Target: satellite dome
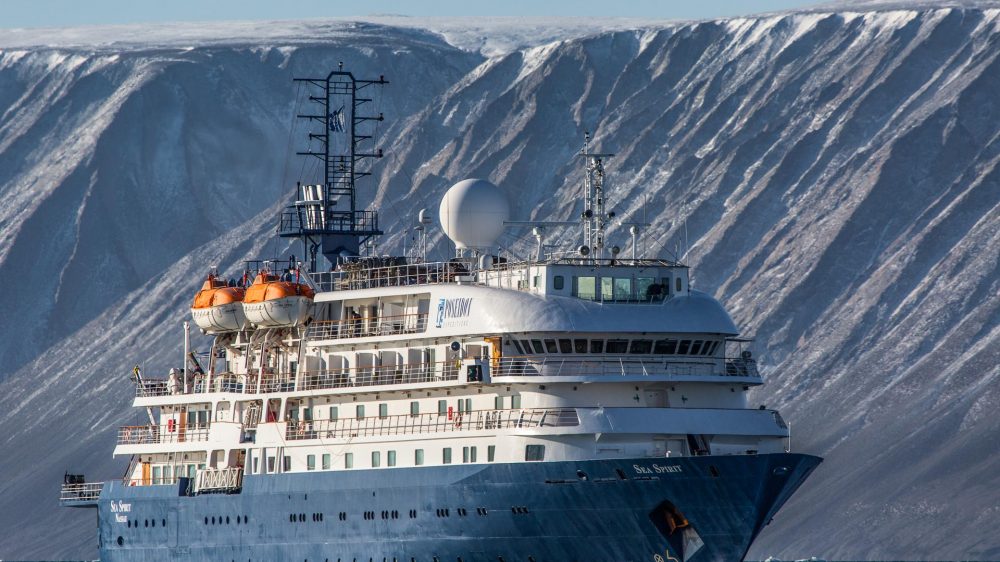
473	212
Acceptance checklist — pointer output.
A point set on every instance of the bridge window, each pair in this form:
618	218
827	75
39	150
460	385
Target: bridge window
665	347
517	346
537	345
565	346
623	288
526	346
695	348
684	346
558	282
585	287
597	346
617	346
607	288
550	346
640	346
580	346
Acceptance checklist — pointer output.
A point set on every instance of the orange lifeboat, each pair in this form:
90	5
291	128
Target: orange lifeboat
272	302
218	307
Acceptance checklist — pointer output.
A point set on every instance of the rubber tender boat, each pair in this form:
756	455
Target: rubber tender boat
218	307
272	302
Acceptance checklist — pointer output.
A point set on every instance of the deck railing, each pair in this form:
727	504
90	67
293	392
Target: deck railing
152	434
361	276
436	422
361	328
527	366
85	493
219	479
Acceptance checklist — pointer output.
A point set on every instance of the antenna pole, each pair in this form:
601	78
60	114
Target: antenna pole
594	217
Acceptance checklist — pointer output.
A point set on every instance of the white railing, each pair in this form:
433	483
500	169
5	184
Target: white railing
528	366
476	420
219	479
362	328
362	276
87	492
152	434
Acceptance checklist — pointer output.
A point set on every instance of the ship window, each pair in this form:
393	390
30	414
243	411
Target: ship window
623	288
465	454
580	346
310	462
270	464
390	458
376	459
348	460
607	288
333	413
418	457
517	346
383	410
642	285
677	284
286	464
491	453
472	454
665	347
597	346
167	475
558	282
461	406
498	403
192	470
515	401
550	346
442	407
157	475
695	348
534	452
585	287
326	461
307	414
565	346
360	411
640	346
537	345
446	455
414	408
682	349
526	346
617	346
536	281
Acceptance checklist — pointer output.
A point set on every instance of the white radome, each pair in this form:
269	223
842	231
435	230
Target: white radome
473	213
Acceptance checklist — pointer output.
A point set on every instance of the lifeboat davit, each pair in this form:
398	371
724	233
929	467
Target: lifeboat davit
272	302
218	307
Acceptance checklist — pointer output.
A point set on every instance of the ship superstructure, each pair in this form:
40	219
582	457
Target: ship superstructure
574	406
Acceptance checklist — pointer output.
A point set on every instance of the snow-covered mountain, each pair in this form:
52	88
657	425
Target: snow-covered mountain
833	174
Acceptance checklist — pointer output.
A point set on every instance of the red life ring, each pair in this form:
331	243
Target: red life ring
458	421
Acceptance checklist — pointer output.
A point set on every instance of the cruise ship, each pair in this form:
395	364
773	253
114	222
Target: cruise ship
574	404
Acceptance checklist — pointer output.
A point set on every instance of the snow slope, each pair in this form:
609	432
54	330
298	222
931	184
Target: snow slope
834	176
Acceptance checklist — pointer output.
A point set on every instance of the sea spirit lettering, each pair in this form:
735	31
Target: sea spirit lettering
452	308
118	508
656	469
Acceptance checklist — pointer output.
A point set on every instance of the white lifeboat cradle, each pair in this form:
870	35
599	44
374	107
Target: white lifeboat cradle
605	367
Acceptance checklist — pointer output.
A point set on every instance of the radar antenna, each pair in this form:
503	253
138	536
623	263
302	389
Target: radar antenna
594	218
325	216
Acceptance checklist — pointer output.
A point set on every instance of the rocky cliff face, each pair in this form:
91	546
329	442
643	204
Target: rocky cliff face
832	177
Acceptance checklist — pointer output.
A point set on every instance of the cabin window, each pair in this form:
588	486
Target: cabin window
695	348
465	454
446	455
167	475
157	475
360	411
677	284
640	346
536	281
565	346
307	414
607	288
623	288
376	459
287	464
326	461
550	346
498	403
642	285
617	346
468	454
534	452
558	282
390	458
442	407
383	411
585	287
270	464
333	413
256	465
597	346
348	460
310	462
684	346
515	402
580	346
491	453
665	347
537	346
414	408
418	457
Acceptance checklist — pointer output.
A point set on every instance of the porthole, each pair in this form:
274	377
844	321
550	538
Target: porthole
145	523
227	520
152	523
206	520
129	524
164	522
581	475
121	541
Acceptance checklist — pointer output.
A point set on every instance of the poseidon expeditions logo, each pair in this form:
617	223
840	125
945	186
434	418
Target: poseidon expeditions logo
452	308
